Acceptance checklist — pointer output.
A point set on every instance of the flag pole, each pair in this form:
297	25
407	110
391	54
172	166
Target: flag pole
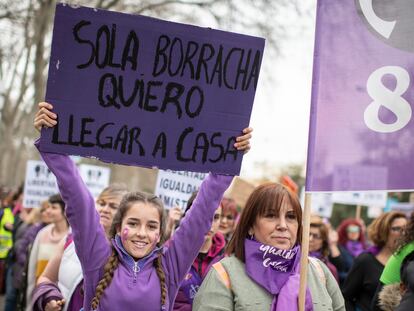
304	252
358	212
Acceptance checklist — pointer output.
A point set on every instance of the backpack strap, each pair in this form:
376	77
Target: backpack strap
315	262
223	274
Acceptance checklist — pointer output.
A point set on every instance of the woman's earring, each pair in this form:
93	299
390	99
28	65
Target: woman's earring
251	236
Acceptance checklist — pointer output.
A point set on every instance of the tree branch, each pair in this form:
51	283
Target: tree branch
168	2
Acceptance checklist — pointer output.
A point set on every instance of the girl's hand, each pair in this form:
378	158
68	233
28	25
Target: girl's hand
333	237
55	305
45	117
174	215
243	142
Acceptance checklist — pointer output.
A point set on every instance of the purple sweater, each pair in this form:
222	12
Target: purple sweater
129	290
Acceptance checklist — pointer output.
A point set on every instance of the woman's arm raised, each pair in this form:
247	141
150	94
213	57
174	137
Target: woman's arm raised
189	237
88	234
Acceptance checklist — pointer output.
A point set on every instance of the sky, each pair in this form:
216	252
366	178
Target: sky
280	116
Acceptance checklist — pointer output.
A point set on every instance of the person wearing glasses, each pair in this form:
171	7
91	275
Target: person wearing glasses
229	215
363	278
389	283
320	245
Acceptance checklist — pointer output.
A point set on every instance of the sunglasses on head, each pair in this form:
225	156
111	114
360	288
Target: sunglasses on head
352	229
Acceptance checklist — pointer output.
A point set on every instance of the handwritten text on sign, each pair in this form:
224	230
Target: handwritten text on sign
142	91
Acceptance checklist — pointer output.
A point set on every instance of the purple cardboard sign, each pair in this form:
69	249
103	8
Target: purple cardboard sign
141	91
361	130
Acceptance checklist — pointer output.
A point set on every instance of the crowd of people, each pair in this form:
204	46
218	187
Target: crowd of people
123	251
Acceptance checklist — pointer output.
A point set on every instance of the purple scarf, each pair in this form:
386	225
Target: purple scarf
316	254
374	250
277	271
355	248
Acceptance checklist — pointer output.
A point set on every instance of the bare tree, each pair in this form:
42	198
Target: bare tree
25	46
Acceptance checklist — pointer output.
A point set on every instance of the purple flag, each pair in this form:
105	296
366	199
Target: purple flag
361	124
141	91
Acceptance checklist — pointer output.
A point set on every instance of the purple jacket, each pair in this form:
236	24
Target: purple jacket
43	293
27	240
129	290
196	274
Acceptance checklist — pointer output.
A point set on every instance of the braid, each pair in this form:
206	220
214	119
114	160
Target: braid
161	276
109	269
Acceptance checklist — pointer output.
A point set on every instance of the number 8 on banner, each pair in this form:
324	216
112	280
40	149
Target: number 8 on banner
392	100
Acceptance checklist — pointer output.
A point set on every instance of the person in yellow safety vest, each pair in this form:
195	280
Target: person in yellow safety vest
6	242
6	227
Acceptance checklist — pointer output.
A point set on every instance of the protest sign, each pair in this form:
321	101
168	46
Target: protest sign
374	211
175	187
362	96
372	198
404	207
141	91
95	177
321	203
39	184
361	113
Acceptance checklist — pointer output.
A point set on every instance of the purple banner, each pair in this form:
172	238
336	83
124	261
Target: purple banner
141	91
361	124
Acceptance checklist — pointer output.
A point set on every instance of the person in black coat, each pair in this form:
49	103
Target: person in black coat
363	278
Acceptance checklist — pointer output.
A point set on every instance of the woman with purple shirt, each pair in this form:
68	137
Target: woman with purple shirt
133	272
351	236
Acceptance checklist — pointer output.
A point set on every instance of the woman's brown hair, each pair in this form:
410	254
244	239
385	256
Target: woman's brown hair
408	234
113	190
127	201
269	196
379	229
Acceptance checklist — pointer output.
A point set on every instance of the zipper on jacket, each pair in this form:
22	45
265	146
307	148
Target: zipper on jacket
136	269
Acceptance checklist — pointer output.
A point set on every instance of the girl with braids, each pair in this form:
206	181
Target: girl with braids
133	272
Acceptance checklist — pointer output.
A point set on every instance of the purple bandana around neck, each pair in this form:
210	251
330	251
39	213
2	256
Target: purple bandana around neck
316	254
355	248
374	250
276	270
270	266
